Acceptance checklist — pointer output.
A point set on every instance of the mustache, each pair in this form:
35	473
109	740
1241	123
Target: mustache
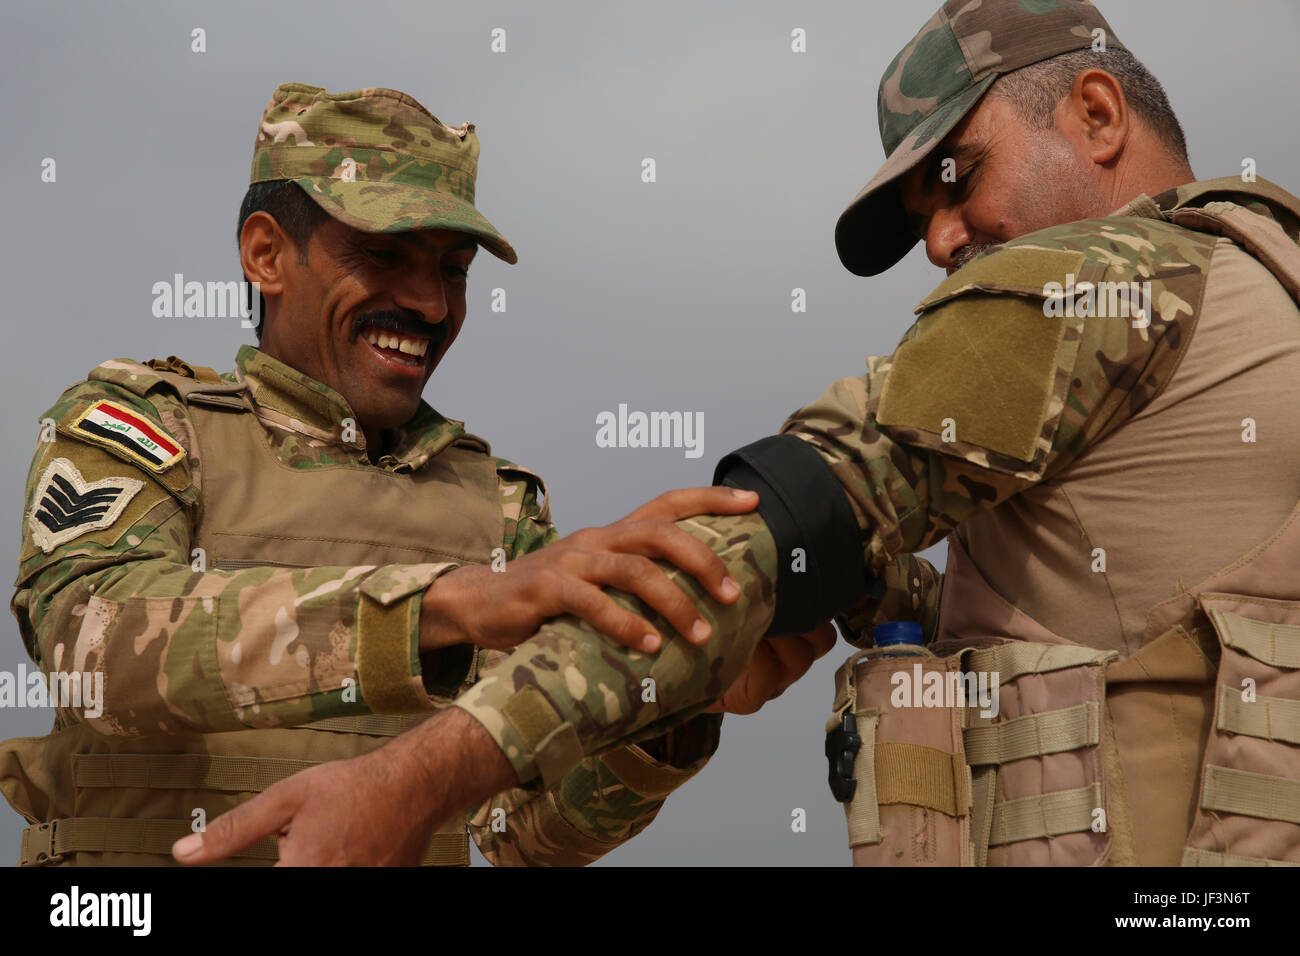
972	250
399	321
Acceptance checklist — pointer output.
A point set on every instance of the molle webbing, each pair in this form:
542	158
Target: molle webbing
50	842
1248	812
895	777
1033	735
196	771
200	771
1269	718
183	771
993	742
1016	658
1251	794
1045	815
1275	644
1210	858
374	725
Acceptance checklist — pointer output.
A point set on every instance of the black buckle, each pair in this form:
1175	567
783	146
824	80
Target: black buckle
842	747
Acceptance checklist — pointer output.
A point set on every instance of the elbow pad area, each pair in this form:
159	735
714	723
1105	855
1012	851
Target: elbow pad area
805	508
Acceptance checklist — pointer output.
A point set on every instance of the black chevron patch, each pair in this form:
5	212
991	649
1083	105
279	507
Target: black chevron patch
63	507
68	506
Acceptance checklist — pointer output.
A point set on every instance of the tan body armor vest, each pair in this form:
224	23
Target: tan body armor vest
1042	781
124	801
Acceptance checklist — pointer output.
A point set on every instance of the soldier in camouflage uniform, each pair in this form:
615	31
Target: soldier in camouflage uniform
1088	465
269	571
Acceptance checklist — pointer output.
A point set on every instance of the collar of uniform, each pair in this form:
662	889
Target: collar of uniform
1142	205
282	388
1261	196
292	400
424	435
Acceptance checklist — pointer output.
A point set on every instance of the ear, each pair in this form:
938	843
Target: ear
263	252
1096	116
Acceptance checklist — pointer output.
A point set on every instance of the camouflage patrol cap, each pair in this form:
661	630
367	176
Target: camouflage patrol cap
374	159
932	84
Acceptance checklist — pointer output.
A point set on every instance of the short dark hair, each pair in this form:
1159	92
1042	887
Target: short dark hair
1036	90
286	203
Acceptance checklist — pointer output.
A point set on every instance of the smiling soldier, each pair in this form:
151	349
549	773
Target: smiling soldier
289	563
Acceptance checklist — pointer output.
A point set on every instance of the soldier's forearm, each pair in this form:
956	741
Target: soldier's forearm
569	693
460	763
201	652
601	804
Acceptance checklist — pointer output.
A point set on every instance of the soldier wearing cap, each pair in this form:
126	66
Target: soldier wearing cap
1093	409
290	563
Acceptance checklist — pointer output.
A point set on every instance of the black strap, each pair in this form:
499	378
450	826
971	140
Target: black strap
805	507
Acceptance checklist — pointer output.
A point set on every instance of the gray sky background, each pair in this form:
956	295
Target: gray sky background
666	296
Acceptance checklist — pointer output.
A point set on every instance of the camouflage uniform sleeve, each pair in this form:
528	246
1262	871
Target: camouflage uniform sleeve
605	800
906	589
183	649
569	693
993	388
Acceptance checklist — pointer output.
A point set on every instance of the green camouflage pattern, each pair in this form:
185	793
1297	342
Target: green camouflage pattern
965	43
601	803
601	694
906	589
125	601
934	81
375	159
908	487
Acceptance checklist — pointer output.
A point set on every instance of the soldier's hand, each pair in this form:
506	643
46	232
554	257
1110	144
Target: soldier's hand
379	809
777	663
367	811
501	609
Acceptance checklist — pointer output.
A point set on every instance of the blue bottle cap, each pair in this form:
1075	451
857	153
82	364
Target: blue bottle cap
897	632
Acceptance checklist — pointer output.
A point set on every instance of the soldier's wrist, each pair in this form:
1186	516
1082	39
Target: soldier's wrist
440	624
460	762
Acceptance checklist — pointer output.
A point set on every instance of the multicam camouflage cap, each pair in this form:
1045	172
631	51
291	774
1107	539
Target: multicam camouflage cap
374	159
933	83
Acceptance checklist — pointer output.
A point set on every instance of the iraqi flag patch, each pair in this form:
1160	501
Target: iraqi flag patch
67	506
110	424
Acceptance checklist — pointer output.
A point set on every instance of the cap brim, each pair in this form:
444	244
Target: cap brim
398	207
873	233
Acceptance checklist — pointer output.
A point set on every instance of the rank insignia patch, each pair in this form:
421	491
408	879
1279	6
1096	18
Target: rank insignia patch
110	424
68	506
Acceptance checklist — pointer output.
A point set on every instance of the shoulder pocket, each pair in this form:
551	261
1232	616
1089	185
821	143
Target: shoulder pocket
983	374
